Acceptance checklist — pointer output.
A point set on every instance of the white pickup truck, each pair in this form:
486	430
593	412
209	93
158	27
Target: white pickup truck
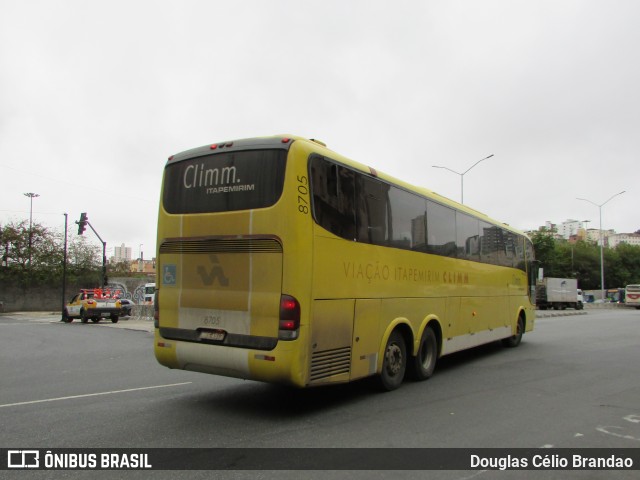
94	304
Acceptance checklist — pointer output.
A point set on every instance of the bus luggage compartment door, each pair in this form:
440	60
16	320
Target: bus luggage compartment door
366	338
332	330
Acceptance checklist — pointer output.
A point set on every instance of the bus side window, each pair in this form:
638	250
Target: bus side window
333	197
408	218
489	243
441	229
467	237
373	211
510	249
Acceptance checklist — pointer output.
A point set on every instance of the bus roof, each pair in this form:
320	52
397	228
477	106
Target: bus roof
285	141
423	191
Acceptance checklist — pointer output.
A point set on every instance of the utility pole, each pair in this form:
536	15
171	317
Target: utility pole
602	288
31	197
64	268
462	175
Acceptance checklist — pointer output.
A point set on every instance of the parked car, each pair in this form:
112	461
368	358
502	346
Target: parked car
126	307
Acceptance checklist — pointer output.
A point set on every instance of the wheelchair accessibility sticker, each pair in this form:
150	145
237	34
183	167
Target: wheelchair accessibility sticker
169	275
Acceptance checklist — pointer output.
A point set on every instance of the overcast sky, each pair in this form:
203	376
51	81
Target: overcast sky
94	96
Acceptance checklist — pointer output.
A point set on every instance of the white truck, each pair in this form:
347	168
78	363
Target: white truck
558	293
149	293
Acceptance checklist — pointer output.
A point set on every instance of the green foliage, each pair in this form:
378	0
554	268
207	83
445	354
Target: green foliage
120	269
581	260
35	257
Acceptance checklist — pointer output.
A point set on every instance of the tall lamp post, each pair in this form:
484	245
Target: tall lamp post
601	238
31	197
463	174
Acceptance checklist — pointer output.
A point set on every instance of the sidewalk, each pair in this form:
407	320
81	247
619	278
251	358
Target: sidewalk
559	313
132	323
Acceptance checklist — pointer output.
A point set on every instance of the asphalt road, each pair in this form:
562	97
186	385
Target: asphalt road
573	383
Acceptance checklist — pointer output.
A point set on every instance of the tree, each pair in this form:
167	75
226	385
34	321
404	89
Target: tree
544	246
47	253
628	264
586	263
119	269
581	260
84	261
24	264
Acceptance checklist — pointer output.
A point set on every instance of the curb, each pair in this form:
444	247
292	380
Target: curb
559	313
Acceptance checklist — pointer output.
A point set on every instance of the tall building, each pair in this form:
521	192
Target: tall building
628	238
122	254
569	228
593	235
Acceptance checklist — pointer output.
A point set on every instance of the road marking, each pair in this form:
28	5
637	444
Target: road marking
92	394
632	418
473	475
619	435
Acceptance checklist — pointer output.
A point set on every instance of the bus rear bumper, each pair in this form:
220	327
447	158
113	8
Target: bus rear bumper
273	366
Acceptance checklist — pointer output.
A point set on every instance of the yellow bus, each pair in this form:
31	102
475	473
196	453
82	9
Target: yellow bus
282	261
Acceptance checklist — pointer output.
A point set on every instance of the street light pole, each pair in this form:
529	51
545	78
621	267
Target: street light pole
601	238
64	267
31	197
462	175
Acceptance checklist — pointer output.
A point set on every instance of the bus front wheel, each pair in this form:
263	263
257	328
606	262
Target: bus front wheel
515	340
394	363
425	360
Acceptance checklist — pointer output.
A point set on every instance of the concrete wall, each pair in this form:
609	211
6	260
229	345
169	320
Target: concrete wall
15	299
49	299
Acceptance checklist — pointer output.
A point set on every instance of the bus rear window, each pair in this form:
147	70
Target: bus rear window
224	182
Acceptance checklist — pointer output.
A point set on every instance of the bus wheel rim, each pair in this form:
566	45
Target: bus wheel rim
394	359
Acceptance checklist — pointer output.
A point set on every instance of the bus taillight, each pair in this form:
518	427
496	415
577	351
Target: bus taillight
289	318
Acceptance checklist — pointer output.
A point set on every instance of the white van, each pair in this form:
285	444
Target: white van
149	293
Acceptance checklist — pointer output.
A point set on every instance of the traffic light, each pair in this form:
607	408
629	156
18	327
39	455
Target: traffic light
82	223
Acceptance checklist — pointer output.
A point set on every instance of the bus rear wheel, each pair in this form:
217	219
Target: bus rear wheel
394	363
425	361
